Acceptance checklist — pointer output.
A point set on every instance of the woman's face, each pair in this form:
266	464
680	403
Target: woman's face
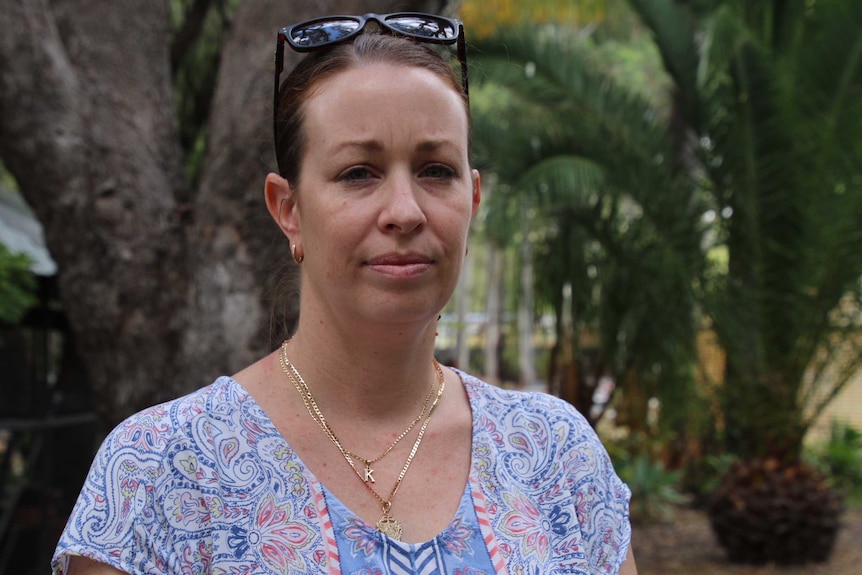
386	194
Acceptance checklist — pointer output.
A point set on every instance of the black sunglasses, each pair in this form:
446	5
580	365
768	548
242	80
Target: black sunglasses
330	30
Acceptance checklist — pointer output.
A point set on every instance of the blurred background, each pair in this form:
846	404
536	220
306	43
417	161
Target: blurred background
670	239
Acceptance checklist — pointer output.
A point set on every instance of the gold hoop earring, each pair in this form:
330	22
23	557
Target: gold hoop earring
296	259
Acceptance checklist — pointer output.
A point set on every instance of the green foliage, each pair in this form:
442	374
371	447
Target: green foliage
841	457
706	474
199	29
614	224
765	110
17	286
737	198
655	490
7	181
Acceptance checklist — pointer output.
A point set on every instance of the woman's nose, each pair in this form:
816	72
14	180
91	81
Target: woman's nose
402	211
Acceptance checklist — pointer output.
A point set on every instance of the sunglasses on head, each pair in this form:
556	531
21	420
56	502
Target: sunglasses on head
330	30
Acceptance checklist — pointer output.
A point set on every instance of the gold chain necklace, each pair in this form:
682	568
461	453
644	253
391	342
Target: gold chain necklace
369	471
387	524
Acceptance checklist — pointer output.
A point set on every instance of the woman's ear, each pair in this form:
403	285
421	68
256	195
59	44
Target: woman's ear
281	203
477	192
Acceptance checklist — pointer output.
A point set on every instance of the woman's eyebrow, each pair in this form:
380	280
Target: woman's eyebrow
433	145
365	145
377	146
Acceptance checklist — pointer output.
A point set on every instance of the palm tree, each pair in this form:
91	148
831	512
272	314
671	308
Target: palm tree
614	229
766	98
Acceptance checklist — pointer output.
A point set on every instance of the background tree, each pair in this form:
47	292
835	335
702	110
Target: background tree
615	231
166	282
483	19
766	98
760	149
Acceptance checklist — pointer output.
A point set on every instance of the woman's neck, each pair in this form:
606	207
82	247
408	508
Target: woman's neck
378	372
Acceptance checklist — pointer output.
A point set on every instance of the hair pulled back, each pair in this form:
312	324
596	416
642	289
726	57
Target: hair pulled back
368	48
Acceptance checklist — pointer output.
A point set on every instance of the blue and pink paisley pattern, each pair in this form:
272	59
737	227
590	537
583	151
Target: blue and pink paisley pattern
206	484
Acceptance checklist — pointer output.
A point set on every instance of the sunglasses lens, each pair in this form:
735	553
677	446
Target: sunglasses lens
423	27
322	32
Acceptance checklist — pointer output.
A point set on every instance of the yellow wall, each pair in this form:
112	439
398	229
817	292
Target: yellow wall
846	408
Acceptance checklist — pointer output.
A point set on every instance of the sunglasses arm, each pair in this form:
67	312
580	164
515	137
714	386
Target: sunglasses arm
279	67
462	56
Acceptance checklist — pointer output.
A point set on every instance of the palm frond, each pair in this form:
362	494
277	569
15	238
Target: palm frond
673	28
562	180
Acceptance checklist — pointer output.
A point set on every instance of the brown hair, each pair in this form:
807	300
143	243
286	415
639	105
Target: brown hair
324	63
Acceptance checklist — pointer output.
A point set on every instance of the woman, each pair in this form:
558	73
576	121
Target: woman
349	449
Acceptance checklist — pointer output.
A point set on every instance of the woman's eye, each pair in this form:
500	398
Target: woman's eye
438	171
355	174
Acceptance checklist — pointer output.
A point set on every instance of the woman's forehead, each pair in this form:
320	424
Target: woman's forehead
377	100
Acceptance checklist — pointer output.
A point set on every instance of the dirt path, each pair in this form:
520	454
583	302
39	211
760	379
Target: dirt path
686	546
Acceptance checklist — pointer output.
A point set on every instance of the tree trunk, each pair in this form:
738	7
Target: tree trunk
493	313
567	358
463	302
87	129
164	287
526	357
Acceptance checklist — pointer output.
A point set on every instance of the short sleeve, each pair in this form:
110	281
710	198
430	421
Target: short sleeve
201	484
115	519
601	501
554	500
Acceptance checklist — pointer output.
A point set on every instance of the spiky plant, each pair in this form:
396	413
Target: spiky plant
768	510
770	93
614	232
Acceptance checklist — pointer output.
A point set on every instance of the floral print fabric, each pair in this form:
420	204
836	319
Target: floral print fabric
206	484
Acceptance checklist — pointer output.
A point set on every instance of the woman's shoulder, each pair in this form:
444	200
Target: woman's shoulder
152	428
486	398
170	473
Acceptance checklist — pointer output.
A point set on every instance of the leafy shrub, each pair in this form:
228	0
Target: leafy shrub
16	286
705	474
654	492
841	457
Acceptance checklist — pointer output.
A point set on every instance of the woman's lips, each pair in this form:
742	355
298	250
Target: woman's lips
400	265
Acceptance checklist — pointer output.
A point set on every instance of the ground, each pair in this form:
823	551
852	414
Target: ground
686	546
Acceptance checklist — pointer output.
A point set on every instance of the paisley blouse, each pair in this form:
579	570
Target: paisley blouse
206	484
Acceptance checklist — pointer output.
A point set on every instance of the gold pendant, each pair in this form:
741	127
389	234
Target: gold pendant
390	527
368	472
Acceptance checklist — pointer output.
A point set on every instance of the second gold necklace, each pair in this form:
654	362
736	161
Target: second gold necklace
387	524
369	471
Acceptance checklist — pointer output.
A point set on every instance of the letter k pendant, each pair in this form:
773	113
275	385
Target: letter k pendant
368	472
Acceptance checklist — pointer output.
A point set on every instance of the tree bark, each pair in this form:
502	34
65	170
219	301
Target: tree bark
464	297
165	287
526	320
87	129
493	313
